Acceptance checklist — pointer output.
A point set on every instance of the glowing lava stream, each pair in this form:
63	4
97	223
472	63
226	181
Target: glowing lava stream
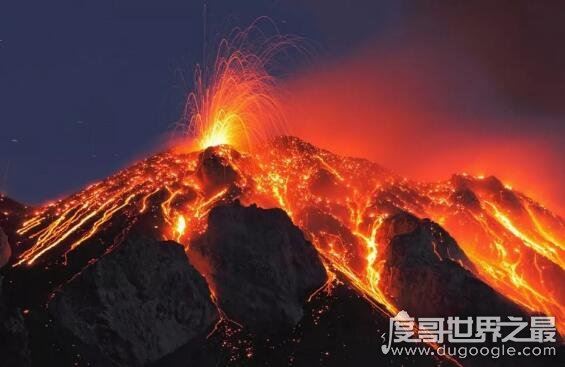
338	202
287	175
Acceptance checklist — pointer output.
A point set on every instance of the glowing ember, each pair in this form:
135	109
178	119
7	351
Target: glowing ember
236	104
180	227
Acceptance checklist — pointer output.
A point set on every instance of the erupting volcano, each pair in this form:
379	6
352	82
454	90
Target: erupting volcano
237	153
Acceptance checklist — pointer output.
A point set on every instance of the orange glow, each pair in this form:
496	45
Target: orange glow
340	203
237	102
515	244
180	227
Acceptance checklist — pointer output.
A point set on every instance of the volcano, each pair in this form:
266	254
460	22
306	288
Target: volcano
284	255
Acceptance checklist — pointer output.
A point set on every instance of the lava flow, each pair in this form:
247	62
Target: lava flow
515	244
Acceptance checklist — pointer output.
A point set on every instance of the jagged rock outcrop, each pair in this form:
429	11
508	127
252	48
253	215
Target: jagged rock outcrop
5	249
467	198
14	337
426	273
136	304
12	214
325	183
259	265
315	220
214	169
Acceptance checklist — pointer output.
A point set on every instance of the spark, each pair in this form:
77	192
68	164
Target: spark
237	103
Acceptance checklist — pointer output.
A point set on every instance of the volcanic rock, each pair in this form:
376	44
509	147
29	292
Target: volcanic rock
12	214
259	265
467	198
317	221
214	168
5	249
135	305
14	343
325	183
427	274
493	188
390	197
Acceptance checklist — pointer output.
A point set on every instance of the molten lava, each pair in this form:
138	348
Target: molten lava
516	245
236	103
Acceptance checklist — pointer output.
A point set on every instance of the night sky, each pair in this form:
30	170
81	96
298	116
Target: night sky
87	87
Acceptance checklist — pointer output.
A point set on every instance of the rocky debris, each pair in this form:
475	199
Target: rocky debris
489	184
426	273
493	188
326	184
467	198
259	265
214	169
392	197
315	220
5	249
284	143
12	215
135	305
14	337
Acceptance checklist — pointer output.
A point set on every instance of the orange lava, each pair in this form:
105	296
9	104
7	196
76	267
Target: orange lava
516	245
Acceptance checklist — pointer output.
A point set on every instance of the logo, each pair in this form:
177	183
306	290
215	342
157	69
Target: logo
468	330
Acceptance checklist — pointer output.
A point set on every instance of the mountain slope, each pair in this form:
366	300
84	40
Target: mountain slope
480	231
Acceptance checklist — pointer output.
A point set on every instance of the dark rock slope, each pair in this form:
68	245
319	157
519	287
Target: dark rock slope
135	305
14	337
11	216
426	273
5	249
259	265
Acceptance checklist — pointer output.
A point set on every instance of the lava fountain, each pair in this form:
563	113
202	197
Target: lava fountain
236	103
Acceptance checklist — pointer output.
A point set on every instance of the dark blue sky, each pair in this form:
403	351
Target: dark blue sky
86	87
